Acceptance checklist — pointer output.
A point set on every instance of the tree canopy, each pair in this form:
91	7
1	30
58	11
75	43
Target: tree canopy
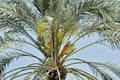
58	26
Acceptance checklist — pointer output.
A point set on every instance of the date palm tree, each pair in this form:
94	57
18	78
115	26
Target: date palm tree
54	27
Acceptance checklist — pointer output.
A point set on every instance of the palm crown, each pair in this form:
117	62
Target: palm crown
59	25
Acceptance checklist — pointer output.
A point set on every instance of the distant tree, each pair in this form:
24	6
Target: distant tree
59	25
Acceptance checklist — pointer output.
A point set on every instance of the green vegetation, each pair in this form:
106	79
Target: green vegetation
58	25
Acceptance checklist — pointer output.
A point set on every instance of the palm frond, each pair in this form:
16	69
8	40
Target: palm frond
99	72
9	43
26	15
50	7
112	67
6	59
21	71
90	7
108	32
98	68
82	74
112	31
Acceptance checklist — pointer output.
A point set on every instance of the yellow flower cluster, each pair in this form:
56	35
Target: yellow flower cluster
40	28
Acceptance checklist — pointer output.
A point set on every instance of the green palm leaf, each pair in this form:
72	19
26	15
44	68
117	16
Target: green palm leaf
54	27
